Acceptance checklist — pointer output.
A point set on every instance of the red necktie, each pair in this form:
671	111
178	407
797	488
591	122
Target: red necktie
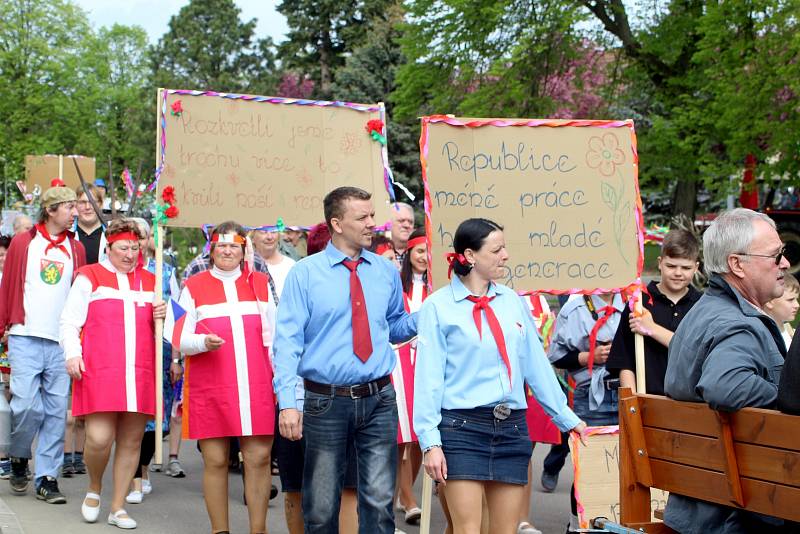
53	243
362	340
608	311
482	303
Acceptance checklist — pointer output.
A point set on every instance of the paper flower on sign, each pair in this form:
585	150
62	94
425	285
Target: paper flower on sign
374	128
177	108
57	182
168	195
605	154
172	212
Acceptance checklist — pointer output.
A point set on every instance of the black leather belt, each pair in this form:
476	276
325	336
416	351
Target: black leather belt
354	392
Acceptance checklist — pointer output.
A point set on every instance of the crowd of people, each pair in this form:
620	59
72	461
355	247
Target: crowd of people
326	356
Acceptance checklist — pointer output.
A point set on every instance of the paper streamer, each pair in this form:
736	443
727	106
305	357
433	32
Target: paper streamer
548	123
575	442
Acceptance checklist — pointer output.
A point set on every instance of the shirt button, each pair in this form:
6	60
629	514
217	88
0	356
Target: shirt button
675	314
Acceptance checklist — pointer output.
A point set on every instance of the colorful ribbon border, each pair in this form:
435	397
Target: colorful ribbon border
388	176
630	291
575	446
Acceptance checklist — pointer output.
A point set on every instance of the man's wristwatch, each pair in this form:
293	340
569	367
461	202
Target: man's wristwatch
176	360
427	449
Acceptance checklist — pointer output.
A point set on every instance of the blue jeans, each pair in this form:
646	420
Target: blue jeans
329	423
606	414
39	389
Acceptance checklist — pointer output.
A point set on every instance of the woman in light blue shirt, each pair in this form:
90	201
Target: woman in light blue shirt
477	347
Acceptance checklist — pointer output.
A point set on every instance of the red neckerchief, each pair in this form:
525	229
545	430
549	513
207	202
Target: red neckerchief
53	243
482	303
607	311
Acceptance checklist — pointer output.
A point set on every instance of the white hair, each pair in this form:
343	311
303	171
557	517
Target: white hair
730	233
394	207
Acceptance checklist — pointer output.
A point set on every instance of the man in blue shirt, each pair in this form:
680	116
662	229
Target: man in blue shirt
339	311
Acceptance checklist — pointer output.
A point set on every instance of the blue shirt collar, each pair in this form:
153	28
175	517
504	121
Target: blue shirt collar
335	255
460	291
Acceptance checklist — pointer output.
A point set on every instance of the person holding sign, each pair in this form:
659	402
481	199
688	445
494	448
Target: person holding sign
227	331
340	310
477	348
666	303
107	333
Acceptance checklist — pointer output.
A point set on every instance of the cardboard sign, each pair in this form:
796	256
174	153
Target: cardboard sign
257	159
40	170
597	477
566	193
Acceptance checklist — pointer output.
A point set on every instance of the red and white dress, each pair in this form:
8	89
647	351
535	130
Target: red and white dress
108	320
227	392
403	373
540	427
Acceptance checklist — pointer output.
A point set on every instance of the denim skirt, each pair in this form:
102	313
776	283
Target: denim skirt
477	446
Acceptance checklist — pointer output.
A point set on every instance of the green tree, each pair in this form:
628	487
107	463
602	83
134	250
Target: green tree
321	34
208	47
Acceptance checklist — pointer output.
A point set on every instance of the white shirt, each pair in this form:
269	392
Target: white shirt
280	271
48	278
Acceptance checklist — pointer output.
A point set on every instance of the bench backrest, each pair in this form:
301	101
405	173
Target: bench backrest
748	459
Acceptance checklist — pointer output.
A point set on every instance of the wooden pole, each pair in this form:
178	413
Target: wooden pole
60	167
159	239
639	346
427	493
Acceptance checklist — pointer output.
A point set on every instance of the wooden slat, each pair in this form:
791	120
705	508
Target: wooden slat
691	417
762	497
729	456
631	424
770	465
634	498
767	428
689	449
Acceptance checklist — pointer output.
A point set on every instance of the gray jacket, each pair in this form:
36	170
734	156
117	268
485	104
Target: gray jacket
728	354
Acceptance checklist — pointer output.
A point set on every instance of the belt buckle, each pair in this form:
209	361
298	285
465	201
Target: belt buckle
501	411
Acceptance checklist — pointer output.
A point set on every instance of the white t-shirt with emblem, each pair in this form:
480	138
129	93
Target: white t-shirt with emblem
48	277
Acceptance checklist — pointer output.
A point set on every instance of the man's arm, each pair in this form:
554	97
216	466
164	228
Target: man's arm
293	316
730	378
402	325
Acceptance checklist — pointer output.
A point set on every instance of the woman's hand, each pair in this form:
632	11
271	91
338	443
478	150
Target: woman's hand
159	310
213	342
75	367
175	372
436	465
580	430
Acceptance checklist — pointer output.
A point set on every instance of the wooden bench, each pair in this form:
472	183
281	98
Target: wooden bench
748	459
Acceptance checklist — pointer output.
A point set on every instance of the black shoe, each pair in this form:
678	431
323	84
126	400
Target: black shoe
48	491
19	478
549	482
67	468
78	467
273	492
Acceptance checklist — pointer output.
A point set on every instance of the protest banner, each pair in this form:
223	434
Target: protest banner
597	476
256	159
566	192
41	170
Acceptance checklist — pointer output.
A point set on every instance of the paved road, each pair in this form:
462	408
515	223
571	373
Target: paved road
176	505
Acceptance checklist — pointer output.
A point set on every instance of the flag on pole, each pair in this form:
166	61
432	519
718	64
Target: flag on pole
173	324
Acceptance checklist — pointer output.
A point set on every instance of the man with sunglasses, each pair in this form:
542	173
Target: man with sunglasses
727	352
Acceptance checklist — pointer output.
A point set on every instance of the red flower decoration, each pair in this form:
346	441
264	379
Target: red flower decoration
177	108
168	194
172	212
57	182
374	125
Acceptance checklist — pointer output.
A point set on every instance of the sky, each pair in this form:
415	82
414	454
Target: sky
154	15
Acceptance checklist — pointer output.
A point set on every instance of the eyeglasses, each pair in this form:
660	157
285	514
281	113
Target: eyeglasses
777	257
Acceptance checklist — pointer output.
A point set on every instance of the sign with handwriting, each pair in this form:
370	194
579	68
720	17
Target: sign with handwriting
41	170
256	159
597	477
566	193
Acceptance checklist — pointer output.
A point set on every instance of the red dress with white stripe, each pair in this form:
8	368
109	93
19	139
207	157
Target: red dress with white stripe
540	427
403	373
227	392
118	344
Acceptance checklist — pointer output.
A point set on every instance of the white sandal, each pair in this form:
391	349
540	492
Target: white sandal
121	519
90	513
134	497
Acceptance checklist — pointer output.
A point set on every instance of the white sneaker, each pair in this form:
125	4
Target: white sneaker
121	519
527	528
134	497
147	486
90	513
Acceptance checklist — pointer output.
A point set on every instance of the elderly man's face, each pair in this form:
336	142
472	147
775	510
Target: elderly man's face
402	224
762	278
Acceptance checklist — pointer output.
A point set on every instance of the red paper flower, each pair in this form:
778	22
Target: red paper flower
168	194
177	108
57	182
374	125
172	212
